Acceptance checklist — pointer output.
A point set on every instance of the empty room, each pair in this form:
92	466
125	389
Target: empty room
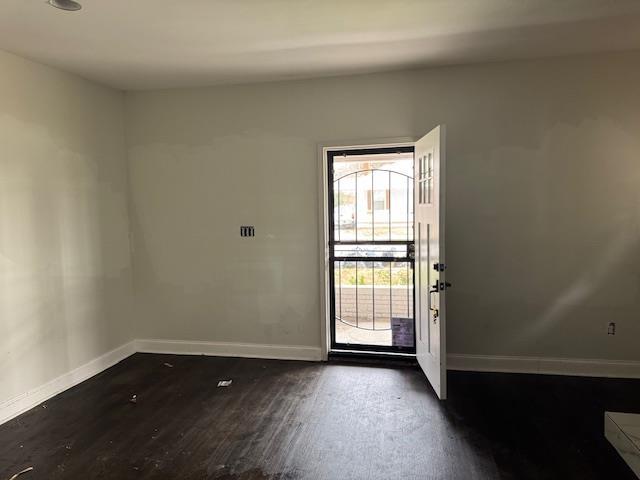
320	239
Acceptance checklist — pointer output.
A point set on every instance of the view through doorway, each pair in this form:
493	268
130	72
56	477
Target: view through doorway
371	249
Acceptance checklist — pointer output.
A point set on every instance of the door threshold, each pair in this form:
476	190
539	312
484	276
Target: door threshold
371	352
372	357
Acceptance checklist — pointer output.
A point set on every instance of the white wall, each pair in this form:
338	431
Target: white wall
543	208
65	269
543	202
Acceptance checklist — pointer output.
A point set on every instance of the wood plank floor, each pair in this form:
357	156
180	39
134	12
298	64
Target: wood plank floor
296	420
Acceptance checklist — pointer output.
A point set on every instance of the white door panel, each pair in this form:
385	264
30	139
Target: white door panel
430	261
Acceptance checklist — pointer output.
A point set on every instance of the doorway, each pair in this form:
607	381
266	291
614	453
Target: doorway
371	249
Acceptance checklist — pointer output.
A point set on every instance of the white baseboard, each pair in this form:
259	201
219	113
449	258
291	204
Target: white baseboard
25	401
476	363
544	365
230	349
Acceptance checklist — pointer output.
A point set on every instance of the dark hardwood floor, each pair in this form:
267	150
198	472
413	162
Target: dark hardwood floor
296	420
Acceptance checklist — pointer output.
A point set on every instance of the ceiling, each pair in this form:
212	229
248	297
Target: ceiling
145	44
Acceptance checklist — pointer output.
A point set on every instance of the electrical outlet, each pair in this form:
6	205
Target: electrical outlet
247	231
611	328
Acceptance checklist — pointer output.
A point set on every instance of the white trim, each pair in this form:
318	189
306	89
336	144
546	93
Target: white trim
385	143
477	363
230	349
323	253
21	403
545	365
15	406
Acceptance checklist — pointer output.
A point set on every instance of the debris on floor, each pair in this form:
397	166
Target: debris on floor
21	472
167	364
225	383
134	399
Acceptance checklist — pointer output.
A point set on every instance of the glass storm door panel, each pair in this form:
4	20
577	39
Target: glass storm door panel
371	249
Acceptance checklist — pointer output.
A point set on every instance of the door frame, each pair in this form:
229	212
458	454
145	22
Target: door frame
324	217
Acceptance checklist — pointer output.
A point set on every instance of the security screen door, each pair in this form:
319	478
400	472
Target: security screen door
431	285
371	249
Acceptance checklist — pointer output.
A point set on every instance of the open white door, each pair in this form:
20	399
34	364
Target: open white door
431	344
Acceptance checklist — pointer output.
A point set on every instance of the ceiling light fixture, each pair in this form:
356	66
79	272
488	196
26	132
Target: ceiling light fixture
69	5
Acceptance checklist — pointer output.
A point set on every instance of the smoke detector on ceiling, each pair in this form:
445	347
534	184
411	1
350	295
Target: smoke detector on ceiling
69	5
